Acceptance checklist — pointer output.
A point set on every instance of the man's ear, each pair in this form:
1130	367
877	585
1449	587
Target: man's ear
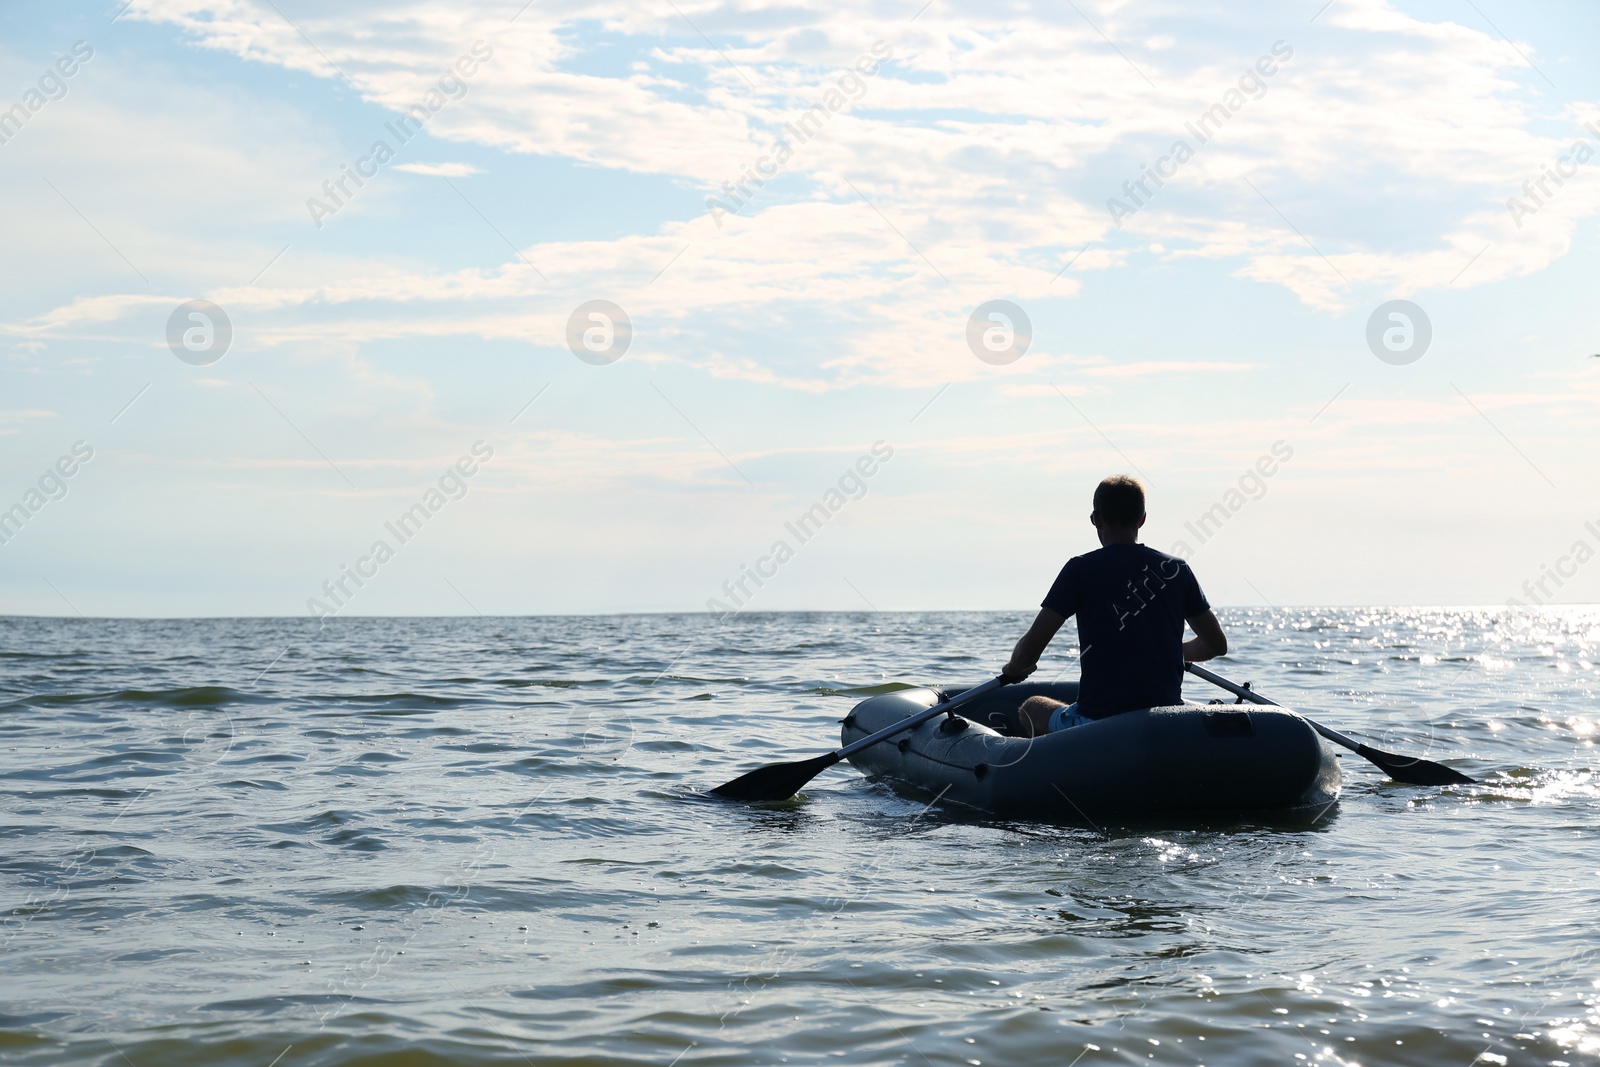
1141	522
1094	519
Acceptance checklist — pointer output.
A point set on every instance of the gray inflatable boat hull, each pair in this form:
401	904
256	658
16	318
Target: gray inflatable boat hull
1190	758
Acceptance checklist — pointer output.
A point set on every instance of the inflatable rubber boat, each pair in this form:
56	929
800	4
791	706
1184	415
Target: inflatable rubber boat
1192	758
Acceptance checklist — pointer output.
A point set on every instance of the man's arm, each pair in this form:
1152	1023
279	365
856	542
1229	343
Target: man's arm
1209	640
1025	657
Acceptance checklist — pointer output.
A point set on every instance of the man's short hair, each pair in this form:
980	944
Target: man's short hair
1120	500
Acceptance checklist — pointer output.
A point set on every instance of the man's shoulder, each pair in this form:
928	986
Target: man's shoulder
1169	566
1131	561
1155	555
1091	560
1138	553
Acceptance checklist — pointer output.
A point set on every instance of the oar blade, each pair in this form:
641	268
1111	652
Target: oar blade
1412	769
779	781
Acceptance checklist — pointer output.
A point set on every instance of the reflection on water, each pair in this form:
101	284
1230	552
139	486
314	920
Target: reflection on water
465	842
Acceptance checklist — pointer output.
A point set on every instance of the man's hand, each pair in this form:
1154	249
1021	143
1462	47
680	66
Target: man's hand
1018	671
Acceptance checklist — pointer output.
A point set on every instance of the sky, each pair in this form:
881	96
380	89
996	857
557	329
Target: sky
607	298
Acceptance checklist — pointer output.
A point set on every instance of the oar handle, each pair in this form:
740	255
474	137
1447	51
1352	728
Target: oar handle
922	716
1256	698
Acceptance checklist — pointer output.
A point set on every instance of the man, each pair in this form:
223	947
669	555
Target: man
1131	602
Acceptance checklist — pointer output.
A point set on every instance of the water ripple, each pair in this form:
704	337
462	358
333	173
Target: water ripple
482	841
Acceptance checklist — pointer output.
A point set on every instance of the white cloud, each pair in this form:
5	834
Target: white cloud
1145	368
440	170
991	148
12	422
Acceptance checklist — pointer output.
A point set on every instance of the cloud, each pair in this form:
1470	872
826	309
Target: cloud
440	170
1144	368
12	422
1033	390
973	163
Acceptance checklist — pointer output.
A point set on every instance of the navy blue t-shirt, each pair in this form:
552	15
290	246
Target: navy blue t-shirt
1131	602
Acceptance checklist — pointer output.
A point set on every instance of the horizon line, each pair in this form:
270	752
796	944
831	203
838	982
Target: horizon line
664	612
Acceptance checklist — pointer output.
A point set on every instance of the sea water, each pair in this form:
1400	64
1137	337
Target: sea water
473	841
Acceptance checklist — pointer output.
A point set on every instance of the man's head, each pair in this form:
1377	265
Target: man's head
1118	509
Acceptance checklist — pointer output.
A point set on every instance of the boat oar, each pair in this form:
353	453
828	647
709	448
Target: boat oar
1412	769
780	781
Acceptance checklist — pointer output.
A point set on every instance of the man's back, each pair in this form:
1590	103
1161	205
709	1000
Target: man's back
1131	602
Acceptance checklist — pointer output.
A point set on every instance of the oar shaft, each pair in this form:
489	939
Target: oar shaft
1232	687
919	718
